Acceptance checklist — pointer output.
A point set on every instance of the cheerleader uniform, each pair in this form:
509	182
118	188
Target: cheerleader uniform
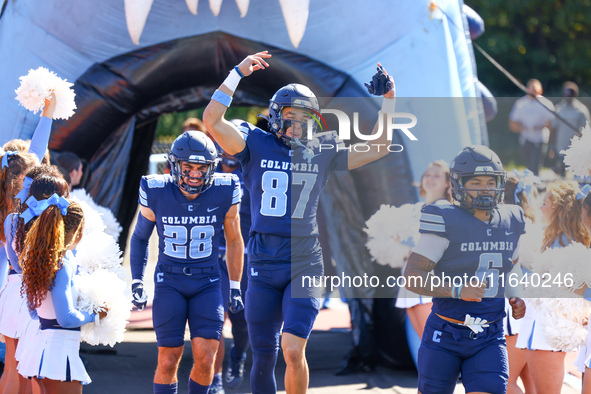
55	353
14	314
531	331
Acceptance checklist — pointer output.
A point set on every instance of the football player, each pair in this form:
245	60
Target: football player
235	372
475	239
285	172
188	208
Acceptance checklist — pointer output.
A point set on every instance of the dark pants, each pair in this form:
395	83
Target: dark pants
533	155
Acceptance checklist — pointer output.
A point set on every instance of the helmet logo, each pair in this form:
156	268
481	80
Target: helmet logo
303	103
484	169
196	158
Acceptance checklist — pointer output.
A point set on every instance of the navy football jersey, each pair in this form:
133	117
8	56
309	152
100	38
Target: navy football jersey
476	248
189	231
285	184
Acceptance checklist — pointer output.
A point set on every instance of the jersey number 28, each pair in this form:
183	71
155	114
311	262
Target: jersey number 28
176	243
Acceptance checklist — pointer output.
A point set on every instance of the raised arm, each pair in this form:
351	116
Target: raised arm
40	138
225	133
383	84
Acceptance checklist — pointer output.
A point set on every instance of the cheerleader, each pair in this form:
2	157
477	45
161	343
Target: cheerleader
14	164
54	360
435	188
583	361
561	213
518	192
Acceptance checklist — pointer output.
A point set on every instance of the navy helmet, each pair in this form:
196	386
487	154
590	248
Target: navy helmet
476	160
292	95
193	147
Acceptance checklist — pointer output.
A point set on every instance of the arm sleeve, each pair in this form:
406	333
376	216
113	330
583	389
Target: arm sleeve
3	266
40	138
138	255
9	249
61	295
431	246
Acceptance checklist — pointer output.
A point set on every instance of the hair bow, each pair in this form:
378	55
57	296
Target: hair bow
6	156
25	191
522	187
584	191
36	208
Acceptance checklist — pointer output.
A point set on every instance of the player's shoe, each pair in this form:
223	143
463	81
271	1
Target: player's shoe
235	375
216	388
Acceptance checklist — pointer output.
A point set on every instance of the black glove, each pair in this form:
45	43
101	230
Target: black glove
235	304
380	83
140	297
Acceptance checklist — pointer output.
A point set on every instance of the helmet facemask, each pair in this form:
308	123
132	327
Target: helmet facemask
482	199
182	177
306	128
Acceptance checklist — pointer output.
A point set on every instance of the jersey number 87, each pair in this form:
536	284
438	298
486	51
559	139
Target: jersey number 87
275	185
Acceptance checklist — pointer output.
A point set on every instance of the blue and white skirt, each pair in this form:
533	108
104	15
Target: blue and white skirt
54	355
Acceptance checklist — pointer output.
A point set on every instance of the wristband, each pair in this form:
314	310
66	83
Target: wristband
234	284
388	105
222	98
587	294
233	79
238	71
456	292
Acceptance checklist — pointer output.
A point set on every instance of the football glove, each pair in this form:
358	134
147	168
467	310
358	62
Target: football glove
140	297
235	304
380	84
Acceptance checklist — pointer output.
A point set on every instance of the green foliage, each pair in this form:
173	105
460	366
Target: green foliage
549	40
170	125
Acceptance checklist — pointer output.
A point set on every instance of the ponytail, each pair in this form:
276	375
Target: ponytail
42	256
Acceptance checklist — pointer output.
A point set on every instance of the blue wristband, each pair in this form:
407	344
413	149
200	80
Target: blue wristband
222	98
587	294
238	71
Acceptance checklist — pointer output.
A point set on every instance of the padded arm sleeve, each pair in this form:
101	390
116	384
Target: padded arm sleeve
138	255
431	246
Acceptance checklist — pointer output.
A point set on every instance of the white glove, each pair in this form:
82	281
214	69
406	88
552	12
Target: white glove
475	324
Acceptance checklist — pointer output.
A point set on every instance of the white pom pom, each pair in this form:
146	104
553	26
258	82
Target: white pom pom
93	223
578	155
392	232
37	86
563	322
99	251
110	224
97	291
530	244
572	262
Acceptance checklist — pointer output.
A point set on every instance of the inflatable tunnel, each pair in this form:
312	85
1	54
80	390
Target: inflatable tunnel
130	65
